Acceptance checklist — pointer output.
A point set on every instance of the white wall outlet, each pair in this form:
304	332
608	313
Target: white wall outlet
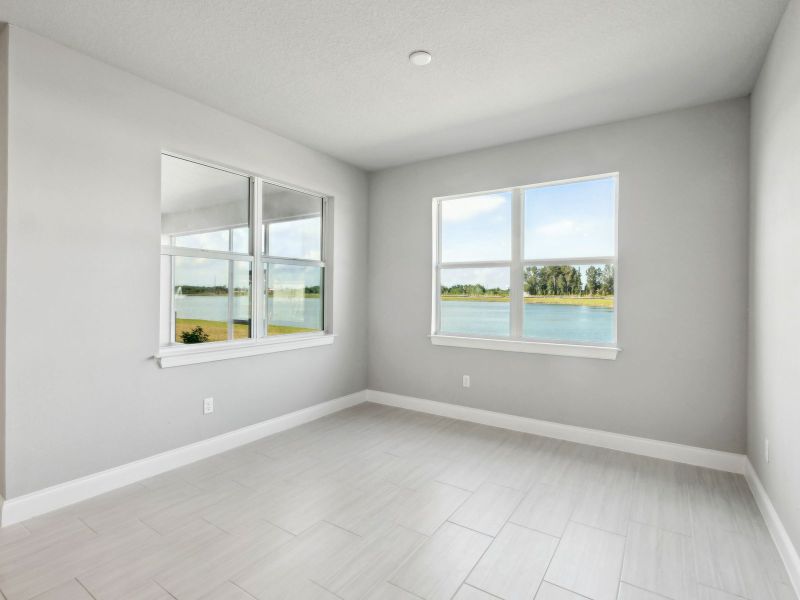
465	381
766	449
208	406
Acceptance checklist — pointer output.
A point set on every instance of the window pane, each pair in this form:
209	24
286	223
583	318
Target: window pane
569	303
241	299
210	240
201	204
570	220
240	241
476	228
292	223
206	308
475	301
294	299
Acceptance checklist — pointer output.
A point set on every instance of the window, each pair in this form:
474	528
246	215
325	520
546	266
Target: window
293	271
236	274
529	269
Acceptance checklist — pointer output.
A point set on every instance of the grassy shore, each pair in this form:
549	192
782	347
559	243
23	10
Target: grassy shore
475	298
594	301
218	330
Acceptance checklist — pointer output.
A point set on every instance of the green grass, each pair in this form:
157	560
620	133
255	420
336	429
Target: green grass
595	301
284	329
218	330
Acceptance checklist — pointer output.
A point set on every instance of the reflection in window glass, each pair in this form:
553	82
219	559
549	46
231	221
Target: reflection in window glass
294	299
569	303
201	204
294	238
210	240
292	223
206	308
475	301
240	240
476	228
570	220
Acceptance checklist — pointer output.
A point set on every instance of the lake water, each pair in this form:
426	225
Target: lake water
297	312
541	321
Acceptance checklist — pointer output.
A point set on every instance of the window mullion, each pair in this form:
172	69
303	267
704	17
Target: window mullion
230	327
173	317
257	285
437	285
231	269
515	288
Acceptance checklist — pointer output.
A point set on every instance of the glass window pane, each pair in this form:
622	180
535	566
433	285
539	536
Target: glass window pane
292	223
206	308
201	204
570	220
569	303
241	299
476	228
475	301
240	241
294	299
210	240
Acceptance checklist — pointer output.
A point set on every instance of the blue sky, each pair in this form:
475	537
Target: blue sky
207	271
566	220
477	228
496	277
570	220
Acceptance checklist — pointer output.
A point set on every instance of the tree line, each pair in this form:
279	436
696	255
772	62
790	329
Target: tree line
222	290
566	280
555	280
202	290
472	289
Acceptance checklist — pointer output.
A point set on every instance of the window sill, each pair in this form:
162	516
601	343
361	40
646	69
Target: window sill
601	352
180	355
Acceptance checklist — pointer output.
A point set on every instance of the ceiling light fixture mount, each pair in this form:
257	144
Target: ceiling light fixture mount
420	58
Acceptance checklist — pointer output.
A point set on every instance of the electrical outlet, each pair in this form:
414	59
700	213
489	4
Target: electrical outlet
465	381
766	449
208	406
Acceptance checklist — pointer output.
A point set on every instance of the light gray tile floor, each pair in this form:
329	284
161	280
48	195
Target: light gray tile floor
377	503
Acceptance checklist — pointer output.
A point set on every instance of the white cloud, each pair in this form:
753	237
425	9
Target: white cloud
562	228
462	209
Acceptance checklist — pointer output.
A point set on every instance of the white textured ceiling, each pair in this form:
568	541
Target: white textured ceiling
333	74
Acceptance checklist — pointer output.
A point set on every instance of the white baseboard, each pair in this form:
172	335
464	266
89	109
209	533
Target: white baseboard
58	496
789	554
702	457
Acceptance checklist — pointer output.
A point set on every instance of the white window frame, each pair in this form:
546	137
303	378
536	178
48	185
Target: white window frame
174	354
516	265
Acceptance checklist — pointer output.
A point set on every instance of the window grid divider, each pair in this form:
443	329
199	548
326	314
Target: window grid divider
198	253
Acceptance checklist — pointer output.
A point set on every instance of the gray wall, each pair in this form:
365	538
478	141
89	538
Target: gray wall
682	281
774	405
3	213
83	393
